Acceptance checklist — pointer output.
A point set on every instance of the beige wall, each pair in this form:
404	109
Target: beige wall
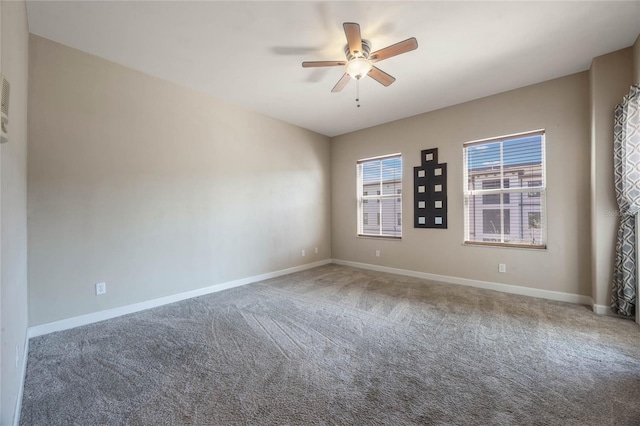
610	78
156	189
636	61
13	209
561	107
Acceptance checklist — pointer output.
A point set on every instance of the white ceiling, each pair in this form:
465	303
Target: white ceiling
250	53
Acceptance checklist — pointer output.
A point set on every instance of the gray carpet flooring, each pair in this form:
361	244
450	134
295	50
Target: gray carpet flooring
339	345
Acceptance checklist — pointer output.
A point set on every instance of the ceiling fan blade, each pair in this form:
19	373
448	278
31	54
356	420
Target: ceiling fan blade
341	83
312	64
380	76
352	31
395	49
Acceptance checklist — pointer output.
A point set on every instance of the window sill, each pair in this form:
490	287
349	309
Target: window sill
505	246
379	237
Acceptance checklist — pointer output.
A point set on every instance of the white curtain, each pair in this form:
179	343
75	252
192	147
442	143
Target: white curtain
626	148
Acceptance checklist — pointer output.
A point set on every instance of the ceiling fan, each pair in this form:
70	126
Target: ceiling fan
360	62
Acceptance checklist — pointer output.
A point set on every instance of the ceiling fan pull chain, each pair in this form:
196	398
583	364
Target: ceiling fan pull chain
358	92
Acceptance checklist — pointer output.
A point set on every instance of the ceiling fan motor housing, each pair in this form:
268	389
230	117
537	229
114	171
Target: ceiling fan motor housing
366	49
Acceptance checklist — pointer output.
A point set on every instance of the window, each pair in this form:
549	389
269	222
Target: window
381	176
505	191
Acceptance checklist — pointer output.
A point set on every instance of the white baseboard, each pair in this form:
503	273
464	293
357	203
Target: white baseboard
505	288
23	376
602	309
78	321
65	324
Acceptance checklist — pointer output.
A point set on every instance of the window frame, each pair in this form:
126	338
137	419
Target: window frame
468	194
379	196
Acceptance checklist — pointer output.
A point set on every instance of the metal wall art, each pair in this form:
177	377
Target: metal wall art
430	192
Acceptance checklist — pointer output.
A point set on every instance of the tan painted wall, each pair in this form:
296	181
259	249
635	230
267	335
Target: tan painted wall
560	106
13	210
156	189
636	61
610	79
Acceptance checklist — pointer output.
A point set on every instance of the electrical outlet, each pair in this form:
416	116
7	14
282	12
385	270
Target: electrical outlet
304	253
377	253
502	267
316	250
17	355
101	288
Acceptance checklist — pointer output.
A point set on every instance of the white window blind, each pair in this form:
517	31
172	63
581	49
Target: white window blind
379	191
505	191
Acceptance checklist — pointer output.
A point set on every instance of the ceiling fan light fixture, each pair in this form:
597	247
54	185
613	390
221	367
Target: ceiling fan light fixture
358	68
